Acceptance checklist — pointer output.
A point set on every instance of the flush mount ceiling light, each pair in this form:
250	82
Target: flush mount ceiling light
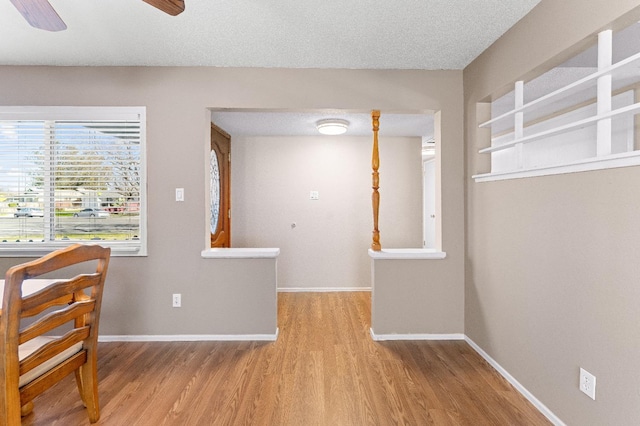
332	126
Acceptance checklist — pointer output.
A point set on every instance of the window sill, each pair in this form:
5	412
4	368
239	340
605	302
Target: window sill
625	159
40	249
240	253
407	254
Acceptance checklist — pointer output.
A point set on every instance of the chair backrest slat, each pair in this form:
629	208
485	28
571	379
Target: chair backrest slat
45	298
60	259
55	319
53	348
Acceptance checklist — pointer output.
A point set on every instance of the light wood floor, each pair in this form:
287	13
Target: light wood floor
323	370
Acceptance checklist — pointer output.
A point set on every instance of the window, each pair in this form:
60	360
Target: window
72	174
578	116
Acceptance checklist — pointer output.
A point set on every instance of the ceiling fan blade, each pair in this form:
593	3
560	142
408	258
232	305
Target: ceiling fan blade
40	14
172	7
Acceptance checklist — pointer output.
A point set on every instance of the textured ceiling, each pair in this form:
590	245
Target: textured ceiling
374	34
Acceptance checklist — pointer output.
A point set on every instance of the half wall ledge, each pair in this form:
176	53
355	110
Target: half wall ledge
240	253
407	253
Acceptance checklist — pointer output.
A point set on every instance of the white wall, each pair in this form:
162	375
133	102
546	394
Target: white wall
327	248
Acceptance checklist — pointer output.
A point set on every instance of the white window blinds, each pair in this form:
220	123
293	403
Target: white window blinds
72	174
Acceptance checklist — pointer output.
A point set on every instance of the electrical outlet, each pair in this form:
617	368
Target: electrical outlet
177	300
588	383
314	195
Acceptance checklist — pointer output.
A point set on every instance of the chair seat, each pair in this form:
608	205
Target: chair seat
33	345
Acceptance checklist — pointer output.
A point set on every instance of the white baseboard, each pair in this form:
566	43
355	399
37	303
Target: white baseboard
532	399
320	289
383	337
191	337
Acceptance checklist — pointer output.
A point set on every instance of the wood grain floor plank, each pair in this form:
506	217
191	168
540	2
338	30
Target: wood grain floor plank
324	370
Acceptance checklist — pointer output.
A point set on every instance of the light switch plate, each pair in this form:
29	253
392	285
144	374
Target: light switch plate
314	195
177	300
179	194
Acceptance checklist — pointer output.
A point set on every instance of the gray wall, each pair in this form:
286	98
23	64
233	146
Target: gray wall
138	292
271	180
415	296
552	279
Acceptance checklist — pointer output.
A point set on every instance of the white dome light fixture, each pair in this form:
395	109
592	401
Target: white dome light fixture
332	126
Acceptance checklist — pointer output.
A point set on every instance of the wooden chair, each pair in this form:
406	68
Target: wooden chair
31	362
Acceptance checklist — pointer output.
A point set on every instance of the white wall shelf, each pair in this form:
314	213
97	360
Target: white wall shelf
570	89
625	159
593	136
628	110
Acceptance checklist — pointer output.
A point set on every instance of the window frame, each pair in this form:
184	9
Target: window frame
52	113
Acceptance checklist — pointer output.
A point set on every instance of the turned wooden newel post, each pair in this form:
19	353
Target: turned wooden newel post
375	197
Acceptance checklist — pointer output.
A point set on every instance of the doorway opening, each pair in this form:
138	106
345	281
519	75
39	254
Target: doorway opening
310	194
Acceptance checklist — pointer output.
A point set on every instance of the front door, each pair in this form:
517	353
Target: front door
220	164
